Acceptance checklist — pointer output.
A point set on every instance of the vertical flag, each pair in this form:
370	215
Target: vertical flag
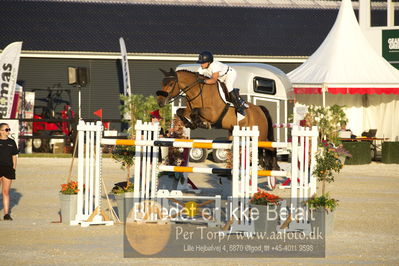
125	68
9	64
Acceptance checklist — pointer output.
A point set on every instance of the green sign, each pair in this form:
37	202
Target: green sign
390	46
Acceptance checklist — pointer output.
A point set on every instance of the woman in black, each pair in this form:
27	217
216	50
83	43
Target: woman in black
8	164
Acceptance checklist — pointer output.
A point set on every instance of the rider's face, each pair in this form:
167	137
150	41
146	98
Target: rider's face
205	65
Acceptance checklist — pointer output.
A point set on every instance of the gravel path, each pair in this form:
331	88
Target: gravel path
366	226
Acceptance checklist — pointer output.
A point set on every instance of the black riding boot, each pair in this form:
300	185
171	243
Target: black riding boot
238	102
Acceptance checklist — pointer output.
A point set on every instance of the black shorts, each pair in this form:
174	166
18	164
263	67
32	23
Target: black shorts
7	171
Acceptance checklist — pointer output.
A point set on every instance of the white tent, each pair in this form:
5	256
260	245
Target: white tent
352	73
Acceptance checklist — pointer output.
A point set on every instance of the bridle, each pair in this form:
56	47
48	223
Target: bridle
181	91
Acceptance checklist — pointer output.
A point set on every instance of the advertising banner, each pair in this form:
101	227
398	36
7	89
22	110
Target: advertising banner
28	104
9	64
125	69
390	46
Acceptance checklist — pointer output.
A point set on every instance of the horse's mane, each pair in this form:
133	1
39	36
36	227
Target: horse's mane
191	72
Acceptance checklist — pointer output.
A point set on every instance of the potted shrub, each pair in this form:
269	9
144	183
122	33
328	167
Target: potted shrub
68	200
322	212
123	191
327	164
322	207
264	211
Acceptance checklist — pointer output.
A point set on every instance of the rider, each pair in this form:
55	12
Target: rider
224	73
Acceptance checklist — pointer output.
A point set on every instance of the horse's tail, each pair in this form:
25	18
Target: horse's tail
270	131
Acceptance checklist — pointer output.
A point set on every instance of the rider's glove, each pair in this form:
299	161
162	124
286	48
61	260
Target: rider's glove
201	81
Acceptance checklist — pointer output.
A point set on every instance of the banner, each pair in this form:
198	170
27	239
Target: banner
9	64
28	104
17	99
390	46
125	68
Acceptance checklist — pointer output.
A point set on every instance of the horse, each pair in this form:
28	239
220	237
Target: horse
206	108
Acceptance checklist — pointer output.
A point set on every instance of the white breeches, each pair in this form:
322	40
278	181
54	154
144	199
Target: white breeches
229	79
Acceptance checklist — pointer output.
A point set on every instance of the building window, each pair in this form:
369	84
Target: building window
378	13
263	85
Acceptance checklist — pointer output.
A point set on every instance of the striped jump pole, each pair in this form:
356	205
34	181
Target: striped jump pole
189	143
221	171
283	125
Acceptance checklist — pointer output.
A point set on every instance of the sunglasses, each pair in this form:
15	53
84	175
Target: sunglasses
7	130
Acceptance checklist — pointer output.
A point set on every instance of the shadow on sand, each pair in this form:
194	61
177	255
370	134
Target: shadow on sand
15	197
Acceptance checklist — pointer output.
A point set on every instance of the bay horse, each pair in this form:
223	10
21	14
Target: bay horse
206	108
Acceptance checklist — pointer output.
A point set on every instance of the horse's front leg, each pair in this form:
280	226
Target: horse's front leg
197	117
185	115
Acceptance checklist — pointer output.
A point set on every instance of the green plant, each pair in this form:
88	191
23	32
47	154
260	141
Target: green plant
137	107
70	188
328	119
264	198
125	155
123	189
327	163
322	202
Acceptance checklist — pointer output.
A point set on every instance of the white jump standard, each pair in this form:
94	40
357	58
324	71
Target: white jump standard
89	210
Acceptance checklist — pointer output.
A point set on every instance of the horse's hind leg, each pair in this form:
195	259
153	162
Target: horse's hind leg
268	159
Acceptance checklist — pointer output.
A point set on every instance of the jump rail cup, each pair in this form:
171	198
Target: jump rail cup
89	175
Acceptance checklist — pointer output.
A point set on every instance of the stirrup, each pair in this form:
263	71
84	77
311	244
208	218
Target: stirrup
243	103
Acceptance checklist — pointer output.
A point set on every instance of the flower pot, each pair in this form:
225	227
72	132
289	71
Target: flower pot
68	207
168	182
267	219
324	221
227	189
124	202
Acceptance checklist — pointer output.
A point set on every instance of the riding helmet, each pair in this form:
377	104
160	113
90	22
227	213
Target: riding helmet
205	57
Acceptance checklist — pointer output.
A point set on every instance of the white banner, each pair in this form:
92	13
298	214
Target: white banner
28	108
125	68
9	64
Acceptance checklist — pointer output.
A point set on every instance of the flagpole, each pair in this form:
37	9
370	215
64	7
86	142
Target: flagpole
80	102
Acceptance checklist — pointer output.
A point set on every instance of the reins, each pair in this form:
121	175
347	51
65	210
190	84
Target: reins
184	90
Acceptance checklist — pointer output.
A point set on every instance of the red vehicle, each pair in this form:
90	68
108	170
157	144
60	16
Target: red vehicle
44	131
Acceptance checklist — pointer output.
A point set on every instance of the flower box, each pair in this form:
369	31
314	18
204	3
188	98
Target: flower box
124	202
68	204
322	220
266	218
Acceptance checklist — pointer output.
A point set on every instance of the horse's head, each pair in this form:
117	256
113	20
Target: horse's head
170	87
